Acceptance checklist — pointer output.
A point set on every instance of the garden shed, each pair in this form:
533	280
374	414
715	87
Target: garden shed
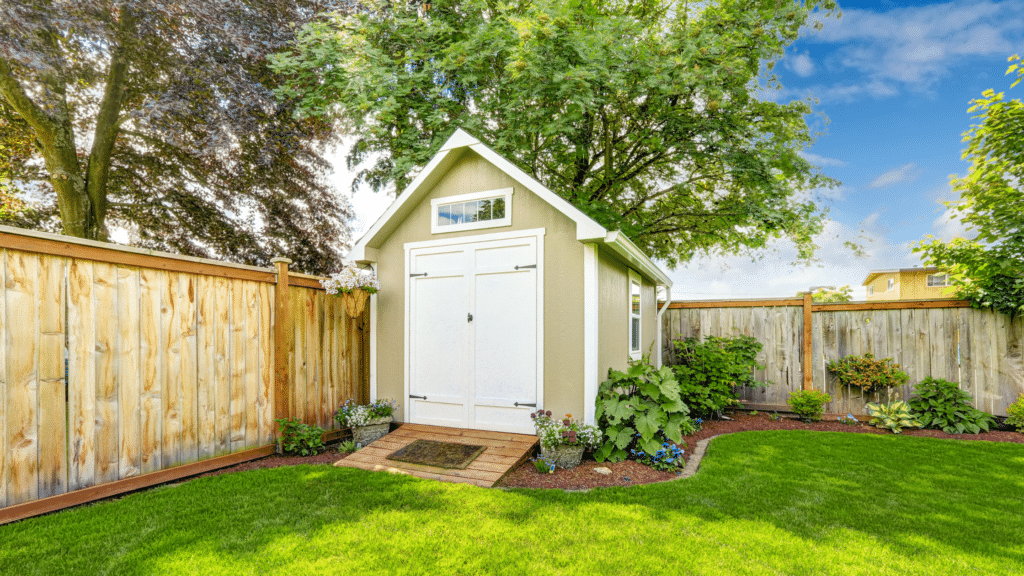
498	296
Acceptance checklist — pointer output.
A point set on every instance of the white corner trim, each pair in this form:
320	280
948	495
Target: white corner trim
373	342
657	328
591	320
406	374
505	193
634	277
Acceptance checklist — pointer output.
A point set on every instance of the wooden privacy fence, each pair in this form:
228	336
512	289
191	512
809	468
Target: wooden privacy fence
979	349
121	368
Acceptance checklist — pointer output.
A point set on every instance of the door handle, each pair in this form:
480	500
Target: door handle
518	404
469	317
415	396
526	266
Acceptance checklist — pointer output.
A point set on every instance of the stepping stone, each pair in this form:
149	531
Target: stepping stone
603	470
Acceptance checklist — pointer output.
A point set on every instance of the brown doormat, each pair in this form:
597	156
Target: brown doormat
439	454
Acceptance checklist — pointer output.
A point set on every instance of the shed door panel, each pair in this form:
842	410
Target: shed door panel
478	369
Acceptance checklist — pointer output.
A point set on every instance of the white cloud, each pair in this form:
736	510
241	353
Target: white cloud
844	93
726	277
947	226
368	206
821	160
916	47
905	173
801	64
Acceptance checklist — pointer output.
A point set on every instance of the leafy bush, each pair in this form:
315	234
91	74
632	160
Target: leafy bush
867	373
942	405
668	458
709	372
564	431
640	408
1015	413
347	446
352	414
809	404
893	416
298	437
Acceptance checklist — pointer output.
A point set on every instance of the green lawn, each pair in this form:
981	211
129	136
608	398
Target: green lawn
784	502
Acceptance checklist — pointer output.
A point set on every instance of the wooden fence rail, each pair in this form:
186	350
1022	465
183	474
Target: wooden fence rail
979	349
117	364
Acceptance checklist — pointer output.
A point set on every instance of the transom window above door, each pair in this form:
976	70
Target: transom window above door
488	209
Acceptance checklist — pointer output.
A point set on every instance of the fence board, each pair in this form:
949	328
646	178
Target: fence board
81	376
153	367
266	400
52	432
222	352
22	373
128	373
4	324
237	367
206	371
251	363
107	425
189	410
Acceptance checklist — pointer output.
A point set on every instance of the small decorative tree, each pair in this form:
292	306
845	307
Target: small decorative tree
868	373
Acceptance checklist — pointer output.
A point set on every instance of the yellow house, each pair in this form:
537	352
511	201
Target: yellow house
908	284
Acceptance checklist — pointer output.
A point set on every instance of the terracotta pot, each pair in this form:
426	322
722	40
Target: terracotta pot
355	302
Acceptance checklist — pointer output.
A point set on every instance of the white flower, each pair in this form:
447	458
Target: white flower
351	278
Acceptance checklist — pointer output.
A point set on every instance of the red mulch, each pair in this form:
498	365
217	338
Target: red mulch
630	473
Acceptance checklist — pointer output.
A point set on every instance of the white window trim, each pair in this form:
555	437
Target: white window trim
634	354
890	284
436	202
945	281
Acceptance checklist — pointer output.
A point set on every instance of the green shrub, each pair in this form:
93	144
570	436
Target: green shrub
867	373
942	405
640	408
298	437
1015	413
709	372
893	416
347	447
809	404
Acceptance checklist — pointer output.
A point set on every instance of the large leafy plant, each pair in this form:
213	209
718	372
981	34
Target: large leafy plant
709	372
894	416
942	405
640	408
297	437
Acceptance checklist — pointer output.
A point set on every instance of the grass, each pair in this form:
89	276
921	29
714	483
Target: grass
782	502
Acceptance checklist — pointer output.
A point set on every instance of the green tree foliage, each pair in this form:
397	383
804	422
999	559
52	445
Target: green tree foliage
159	117
825	295
989	269
648	115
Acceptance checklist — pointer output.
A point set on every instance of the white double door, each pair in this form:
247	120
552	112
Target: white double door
474	334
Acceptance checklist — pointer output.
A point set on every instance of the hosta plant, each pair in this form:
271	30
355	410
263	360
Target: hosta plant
1015	414
942	405
894	416
640	409
868	373
809	404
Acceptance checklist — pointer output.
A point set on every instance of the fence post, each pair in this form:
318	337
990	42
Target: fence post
282	334
808	349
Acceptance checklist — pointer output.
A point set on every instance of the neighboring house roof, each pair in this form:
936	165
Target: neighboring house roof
876	273
587	230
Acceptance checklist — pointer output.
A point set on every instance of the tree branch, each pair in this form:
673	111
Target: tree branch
18	100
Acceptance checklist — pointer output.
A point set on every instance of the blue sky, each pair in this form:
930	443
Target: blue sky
895	80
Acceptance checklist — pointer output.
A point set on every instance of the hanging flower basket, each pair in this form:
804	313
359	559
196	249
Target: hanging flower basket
355	302
354	286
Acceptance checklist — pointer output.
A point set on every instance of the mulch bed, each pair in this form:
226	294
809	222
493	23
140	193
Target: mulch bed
631	473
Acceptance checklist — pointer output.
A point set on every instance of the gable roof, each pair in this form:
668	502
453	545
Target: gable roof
587	230
872	275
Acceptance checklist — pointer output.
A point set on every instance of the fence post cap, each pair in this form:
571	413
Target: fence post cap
280	259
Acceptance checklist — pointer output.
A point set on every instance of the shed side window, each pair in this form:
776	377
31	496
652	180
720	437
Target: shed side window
890	284
634	315
935	280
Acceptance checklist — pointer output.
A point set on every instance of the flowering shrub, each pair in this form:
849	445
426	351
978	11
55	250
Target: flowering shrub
868	373
351	278
565	431
668	458
352	414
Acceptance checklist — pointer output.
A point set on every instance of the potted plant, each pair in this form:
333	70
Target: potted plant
354	286
367	421
563	441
